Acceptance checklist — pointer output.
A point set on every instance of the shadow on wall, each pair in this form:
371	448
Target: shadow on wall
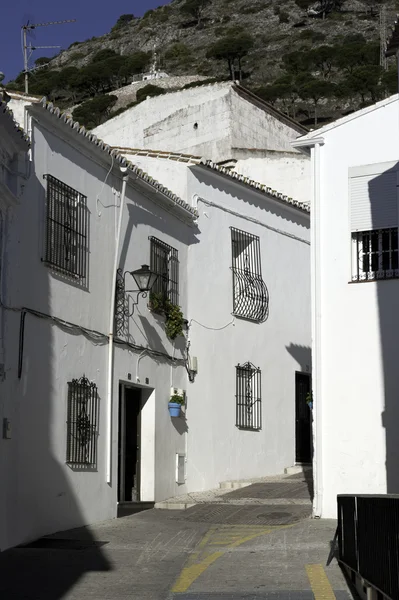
382	215
302	355
39	497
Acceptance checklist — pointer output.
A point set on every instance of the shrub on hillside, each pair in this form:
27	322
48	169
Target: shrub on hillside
149	90
94	112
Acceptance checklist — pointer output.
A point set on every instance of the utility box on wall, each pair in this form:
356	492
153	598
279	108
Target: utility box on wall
180	468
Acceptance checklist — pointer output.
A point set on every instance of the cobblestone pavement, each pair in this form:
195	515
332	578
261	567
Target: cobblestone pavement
179	555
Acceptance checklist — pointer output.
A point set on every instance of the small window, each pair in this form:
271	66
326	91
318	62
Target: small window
248	397
66	232
165	263
82	422
375	254
250	295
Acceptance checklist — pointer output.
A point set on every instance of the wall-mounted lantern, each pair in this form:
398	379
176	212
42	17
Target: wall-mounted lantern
144	279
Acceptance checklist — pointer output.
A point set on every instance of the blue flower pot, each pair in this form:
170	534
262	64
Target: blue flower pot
174	409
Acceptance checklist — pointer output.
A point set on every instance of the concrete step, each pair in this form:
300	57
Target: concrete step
296	469
234	485
125	509
174	505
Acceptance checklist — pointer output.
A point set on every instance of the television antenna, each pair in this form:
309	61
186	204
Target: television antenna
28	49
383	36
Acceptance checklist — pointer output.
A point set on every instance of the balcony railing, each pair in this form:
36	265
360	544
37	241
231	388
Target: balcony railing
368	538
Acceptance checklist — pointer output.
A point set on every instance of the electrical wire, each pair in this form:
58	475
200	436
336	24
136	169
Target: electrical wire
212	328
253	220
92	334
103	186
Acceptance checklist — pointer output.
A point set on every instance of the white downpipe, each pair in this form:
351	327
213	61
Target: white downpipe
111	332
316	337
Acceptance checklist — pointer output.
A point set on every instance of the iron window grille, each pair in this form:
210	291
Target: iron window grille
250	295
82	422
375	254
165	263
66	228
121	306
248	397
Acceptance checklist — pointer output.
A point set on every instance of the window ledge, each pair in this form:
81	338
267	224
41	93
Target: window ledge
376	280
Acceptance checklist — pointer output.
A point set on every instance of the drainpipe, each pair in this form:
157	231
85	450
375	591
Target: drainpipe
304	145
111	332
315	250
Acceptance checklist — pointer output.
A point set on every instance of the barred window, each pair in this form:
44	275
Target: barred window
248	397
82	422
66	231
165	263
375	254
250	295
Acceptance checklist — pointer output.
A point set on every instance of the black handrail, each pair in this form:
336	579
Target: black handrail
368	539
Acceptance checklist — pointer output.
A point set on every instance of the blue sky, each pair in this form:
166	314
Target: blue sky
93	18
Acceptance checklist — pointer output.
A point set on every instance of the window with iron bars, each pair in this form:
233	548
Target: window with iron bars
250	295
248	397
165	263
66	229
82	419
375	254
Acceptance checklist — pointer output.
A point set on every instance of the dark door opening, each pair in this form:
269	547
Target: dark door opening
129	444
303	420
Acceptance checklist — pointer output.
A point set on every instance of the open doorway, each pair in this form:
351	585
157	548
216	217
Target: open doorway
130	405
303	422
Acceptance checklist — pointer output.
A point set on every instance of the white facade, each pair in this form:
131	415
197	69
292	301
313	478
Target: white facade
279	346
220	122
355	325
14	172
58	330
42	493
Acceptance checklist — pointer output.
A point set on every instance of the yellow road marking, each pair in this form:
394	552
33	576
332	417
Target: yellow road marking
208	550
190	574
319	583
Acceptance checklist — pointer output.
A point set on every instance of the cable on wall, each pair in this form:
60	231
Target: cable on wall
232	322
253	220
103	186
91	334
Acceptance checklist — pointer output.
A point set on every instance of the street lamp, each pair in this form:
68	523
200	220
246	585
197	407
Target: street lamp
144	279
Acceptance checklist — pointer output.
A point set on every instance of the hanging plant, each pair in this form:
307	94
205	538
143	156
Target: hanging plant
174	321
157	302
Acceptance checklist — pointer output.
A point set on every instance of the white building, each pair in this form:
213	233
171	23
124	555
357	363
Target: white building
14	172
355	292
222	122
61	466
89	373
252	254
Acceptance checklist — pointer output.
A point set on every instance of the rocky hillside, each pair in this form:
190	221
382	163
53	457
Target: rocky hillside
314	60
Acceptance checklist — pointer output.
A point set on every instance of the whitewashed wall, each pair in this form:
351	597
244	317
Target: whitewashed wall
171	173
359	326
254	127
280	346
287	173
167	122
213	121
43	493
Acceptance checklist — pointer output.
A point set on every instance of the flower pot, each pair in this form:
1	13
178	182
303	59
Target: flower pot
174	409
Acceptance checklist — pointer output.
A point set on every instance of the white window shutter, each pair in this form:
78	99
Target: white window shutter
373	200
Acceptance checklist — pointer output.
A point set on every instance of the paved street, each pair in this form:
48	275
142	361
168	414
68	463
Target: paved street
257	543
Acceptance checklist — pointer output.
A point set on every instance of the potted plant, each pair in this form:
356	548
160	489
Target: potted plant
309	400
175	403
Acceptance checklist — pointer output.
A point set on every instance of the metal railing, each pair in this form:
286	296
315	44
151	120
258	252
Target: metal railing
368	539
